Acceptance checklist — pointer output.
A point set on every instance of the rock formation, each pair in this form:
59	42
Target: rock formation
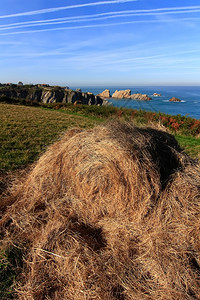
126	94
174	99
50	95
105	94
157	95
143	97
122	94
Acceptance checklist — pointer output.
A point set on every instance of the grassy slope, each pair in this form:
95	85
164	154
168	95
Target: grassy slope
190	144
26	131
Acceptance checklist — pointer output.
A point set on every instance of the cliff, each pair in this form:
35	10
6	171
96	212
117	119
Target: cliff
50	94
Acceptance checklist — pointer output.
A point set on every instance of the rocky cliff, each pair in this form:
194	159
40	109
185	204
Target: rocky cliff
50	95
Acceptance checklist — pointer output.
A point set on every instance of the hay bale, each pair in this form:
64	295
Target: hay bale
109	213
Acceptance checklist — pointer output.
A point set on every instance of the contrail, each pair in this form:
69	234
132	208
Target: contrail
103	16
54	9
99	25
91	18
76	27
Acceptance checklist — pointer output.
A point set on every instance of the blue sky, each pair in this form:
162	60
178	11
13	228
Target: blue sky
98	42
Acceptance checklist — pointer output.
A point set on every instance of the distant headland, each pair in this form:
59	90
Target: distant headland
49	94
46	93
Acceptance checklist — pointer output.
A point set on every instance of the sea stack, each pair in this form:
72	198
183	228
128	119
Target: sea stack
143	97
123	94
105	94
174	99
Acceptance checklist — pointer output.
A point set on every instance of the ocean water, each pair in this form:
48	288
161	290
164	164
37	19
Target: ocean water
189	96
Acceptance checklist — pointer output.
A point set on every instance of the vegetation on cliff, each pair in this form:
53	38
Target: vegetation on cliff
47	94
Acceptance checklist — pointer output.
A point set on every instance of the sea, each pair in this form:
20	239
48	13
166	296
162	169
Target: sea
189	96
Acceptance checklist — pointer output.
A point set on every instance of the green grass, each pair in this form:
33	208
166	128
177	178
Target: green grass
26	131
190	144
11	263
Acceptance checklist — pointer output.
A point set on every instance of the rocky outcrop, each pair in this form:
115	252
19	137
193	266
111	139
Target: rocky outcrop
157	95
50	95
105	94
11	92
126	94
123	94
174	99
139	96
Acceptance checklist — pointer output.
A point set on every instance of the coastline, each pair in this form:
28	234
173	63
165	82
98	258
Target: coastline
189	95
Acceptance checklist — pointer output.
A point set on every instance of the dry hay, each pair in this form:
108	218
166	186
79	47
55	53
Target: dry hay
109	213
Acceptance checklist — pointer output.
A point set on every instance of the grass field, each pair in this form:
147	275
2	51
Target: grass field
25	131
107	213
190	145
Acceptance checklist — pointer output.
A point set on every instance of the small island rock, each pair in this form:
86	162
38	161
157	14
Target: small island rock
157	95
174	99
139	96
122	94
105	94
